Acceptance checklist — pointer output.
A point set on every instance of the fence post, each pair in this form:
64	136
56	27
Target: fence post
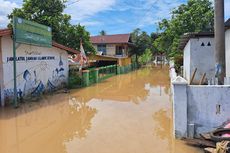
130	67
96	73
118	70
122	69
180	105
85	77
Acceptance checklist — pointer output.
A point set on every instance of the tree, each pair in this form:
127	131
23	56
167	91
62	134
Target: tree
50	13
154	49
47	12
102	32
195	16
141	40
76	33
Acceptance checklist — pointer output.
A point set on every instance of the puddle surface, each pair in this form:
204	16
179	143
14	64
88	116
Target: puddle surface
131	113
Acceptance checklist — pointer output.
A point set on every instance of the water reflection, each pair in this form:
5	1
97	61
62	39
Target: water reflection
162	124
128	88
44	126
83	116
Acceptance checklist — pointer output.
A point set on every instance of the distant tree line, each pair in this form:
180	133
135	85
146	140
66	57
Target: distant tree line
194	16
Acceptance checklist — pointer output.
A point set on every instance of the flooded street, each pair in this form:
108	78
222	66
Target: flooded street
130	113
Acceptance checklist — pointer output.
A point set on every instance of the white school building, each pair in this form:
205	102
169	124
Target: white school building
39	69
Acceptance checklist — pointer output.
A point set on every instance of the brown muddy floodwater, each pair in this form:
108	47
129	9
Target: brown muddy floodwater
130	113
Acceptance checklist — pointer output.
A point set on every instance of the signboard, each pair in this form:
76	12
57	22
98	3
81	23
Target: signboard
28	32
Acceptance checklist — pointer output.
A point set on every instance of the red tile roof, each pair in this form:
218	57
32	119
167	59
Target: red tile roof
7	32
65	48
110	39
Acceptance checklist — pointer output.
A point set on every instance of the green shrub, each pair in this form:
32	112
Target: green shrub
75	80
146	57
178	61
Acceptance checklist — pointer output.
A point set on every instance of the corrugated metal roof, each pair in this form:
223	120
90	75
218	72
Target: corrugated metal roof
187	36
7	32
111	39
227	24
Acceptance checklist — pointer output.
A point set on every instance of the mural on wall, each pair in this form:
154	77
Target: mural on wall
58	76
36	79
32	85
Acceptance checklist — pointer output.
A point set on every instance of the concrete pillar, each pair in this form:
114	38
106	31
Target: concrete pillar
220	40
180	117
85	78
1	76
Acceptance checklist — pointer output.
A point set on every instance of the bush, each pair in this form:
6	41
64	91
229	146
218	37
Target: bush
178	61
146	57
75	80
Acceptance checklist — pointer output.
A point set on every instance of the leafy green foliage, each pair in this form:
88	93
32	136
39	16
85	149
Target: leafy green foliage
75	81
195	16
75	33
141	41
146	57
50	13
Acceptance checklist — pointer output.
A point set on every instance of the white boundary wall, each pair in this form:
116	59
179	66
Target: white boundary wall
38	69
207	107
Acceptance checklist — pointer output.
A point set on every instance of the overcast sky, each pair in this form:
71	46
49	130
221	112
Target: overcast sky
113	16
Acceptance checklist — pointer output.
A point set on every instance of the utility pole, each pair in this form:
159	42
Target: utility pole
220	41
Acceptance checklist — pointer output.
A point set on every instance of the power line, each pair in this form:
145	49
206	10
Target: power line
71	3
147	12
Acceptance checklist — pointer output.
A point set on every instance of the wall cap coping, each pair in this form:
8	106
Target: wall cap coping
209	86
179	80
85	71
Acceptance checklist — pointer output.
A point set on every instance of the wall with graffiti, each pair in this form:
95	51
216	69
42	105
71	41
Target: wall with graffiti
39	69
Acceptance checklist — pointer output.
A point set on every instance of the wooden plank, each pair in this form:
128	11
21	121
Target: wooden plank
200	143
193	76
202	79
209	150
206	136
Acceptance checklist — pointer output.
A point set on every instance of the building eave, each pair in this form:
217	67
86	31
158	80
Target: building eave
187	36
8	32
227	24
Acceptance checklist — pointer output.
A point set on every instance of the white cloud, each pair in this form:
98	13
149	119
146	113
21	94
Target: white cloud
162	9
90	23
87	8
6	8
157	10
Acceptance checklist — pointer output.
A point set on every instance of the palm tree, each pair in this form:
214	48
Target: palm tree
102	32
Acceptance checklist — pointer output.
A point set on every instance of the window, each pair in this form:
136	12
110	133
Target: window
119	50
101	48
